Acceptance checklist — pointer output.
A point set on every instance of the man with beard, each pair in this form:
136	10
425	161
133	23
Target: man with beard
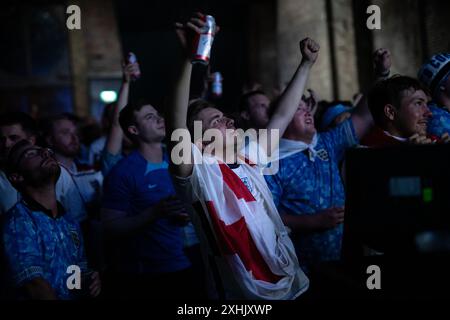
61	135
16	126
40	240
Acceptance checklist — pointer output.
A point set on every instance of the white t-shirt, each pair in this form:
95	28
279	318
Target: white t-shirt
88	184
9	195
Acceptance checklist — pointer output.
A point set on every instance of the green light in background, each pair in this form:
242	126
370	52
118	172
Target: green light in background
427	195
108	96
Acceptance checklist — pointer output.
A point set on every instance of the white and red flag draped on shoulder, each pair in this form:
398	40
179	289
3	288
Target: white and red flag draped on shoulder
249	233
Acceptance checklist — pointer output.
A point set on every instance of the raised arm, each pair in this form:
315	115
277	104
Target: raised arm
361	117
176	114
291	96
115	136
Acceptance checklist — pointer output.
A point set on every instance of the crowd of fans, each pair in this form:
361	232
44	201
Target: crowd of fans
140	225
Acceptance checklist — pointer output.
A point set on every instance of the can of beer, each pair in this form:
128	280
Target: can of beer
132	59
216	86
203	42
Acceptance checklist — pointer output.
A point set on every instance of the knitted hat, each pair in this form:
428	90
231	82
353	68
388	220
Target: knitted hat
435	71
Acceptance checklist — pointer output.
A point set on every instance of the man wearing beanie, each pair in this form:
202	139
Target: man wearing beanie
435	75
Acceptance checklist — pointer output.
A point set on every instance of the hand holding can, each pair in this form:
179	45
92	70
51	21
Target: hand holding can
131	59
203	41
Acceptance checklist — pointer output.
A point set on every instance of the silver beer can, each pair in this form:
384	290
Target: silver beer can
203	42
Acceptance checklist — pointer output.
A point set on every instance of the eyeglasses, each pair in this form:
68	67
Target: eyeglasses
33	152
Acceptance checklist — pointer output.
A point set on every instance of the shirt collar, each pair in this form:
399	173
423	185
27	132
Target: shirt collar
36	206
395	137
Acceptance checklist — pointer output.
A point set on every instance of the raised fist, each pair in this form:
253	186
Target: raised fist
309	49
382	61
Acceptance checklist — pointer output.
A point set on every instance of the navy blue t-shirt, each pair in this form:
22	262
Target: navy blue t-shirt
133	186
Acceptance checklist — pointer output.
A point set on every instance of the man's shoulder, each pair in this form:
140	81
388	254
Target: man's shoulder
18	212
5	186
98	144
3	175
378	138
336	132
127	165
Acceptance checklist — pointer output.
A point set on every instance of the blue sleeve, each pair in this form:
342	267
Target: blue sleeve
22	249
341	138
275	187
439	123
108	161
117	191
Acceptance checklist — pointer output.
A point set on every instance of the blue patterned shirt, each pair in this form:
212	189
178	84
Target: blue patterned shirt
38	245
439	122
304	187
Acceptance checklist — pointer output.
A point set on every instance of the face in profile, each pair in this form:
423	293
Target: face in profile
413	115
149	125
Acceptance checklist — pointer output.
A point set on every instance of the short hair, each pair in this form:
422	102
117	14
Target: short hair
127	117
390	91
194	108
24	120
47	124
243	102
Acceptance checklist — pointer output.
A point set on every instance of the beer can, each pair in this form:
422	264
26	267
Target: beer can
132	59
216	86
203	42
